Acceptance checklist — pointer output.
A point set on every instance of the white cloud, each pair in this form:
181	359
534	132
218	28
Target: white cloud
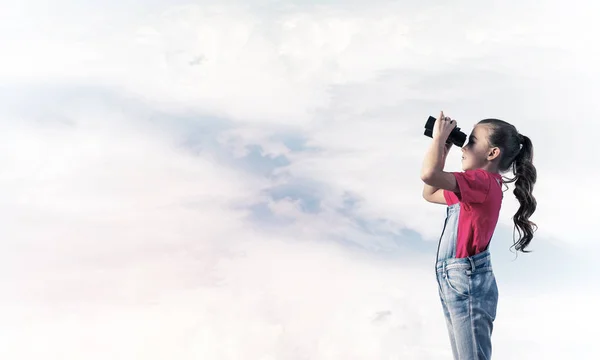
125	238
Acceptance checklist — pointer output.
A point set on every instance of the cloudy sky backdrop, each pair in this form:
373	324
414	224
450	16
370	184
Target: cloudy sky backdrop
240	180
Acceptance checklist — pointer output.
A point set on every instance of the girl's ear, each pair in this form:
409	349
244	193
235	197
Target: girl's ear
493	153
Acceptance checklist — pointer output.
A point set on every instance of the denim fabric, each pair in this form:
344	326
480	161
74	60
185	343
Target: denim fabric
468	292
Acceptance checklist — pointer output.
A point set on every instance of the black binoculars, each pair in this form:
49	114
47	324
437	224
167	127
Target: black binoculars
456	137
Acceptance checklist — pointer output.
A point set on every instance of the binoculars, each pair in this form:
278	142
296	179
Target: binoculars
456	137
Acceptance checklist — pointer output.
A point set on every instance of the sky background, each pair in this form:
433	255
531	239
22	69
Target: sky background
192	180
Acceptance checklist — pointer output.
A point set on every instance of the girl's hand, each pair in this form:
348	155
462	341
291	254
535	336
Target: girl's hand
443	127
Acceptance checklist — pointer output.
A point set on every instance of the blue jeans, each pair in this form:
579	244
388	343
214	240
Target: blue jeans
469	295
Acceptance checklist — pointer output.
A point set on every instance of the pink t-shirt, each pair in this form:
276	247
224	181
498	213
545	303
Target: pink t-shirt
480	197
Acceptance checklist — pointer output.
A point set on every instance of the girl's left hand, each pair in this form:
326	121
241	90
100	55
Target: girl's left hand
443	127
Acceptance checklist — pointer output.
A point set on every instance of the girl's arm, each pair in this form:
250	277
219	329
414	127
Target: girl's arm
432	172
432	193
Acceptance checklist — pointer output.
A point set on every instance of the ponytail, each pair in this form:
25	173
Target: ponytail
517	155
525	178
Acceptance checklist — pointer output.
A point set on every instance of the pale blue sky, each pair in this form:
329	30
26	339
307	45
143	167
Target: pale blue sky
265	202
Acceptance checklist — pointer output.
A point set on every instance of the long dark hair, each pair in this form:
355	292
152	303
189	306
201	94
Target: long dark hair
516	154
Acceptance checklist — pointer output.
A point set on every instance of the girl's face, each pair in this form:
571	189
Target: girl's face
476	151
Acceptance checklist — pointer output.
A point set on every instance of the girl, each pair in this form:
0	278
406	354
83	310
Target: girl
466	282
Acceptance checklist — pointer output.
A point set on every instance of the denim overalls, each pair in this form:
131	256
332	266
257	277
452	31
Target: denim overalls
468	292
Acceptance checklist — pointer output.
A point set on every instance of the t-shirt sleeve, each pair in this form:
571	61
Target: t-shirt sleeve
450	197
473	186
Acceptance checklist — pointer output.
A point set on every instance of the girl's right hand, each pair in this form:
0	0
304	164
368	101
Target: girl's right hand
443	127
